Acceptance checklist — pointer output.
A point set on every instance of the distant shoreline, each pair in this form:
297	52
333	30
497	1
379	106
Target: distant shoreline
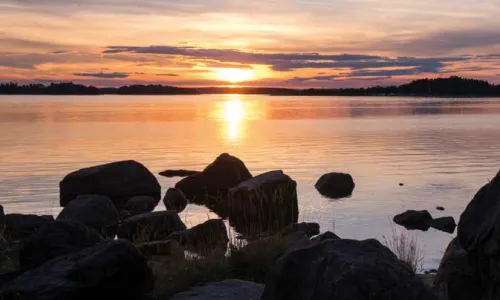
456	87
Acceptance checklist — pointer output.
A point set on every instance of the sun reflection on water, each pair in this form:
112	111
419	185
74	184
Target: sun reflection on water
233	114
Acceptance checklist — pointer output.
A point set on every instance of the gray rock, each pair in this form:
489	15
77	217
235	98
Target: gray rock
151	226
232	289
19	226
119	181
335	185
175	200
224	173
343	270
479	234
446	224
95	211
456	278
325	236
108	270
310	229
140	205
414	220
265	203
203	238
56	239
161	248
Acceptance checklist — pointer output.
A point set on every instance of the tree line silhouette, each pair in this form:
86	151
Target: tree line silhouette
452	86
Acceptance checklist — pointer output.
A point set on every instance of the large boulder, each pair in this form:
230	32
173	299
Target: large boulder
19	226
446	224
140	205
231	289
151	226
479	234
175	200
217	178
456	278
56	239
343	270
119	181
335	185
414	220
108	270
267	202
203	238
95	211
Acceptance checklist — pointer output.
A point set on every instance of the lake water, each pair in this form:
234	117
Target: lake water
443	150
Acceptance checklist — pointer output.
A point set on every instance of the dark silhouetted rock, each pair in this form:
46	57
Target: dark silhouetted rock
335	185
343	270
95	211
151	226
226	290
440	208
175	200
456	278
401	184
108	270
325	236
56	239
267	202
310	229
119	181
479	234
414	220
162	248
178	173
2	218
18	226
202	238
224	173
140	205
446	224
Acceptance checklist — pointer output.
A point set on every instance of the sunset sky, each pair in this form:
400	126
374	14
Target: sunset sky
287	43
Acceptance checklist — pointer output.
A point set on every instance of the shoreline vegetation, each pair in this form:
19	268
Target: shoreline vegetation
111	241
440	87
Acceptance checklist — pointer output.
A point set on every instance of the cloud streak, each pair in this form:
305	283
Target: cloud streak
103	75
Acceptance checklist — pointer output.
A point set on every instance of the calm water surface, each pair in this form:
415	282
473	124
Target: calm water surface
443	150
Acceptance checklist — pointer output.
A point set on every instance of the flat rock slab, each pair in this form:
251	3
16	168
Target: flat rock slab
226	290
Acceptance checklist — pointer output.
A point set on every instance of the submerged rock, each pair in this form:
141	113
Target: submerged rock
224	173
310	229
232	289
204	238
175	200
56	239
325	236
414	220
440	208
19	226
151	226
267	202
178	173
108	270
456	278
343	270
95	211
446	224
335	185
119	181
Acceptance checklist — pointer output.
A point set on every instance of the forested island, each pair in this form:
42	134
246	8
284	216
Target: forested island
440	87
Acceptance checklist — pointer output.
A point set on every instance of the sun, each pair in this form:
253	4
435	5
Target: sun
234	75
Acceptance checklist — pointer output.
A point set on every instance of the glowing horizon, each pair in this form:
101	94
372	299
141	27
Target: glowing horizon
269	43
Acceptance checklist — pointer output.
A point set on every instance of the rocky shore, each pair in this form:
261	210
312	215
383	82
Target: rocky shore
110	241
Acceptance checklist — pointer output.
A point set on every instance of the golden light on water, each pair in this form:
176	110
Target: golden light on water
234	113
234	75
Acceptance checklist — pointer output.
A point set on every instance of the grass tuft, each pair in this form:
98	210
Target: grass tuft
405	246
